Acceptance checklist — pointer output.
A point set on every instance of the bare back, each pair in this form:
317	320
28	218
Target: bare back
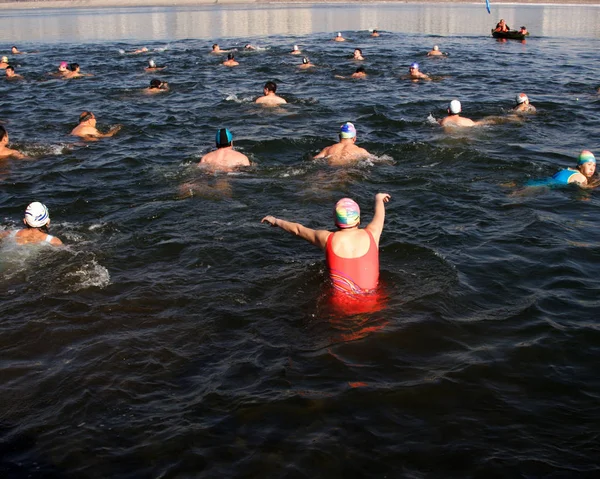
343	153
224	159
270	100
455	120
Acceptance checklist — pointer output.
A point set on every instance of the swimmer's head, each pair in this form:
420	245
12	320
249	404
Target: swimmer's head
455	107
223	138
4	59
414	66
36	215
521	98
151	63
586	156
361	69
271	86
295	48
230	56
339	34
215	46
63	66
73	67
85	116
347	130
346	213
3	133
305	61
155	83
436	48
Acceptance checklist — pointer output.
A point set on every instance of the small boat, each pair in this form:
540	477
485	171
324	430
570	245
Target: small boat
512	34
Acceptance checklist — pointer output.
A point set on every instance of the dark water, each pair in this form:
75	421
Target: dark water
176	336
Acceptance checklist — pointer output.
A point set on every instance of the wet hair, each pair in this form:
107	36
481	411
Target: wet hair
73	66
3	133
230	56
215	45
361	70
271	86
375	31
10	67
155	83
14	46
85	116
358	50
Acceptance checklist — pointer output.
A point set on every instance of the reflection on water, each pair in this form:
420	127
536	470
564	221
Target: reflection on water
233	21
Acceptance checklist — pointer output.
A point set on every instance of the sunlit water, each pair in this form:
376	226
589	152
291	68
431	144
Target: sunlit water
176	336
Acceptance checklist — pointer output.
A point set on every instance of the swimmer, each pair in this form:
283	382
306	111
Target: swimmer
501	26
75	72
216	49
586	167
152	67
63	70
36	220
339	38
359	73
139	50
454	119
415	74
156	86
345	151
435	52
11	75
270	98
224	158
87	130
15	51
357	55
306	64
523	31
523	105
4	63
249	47
351	253
375	33
295	51
230	62
5	151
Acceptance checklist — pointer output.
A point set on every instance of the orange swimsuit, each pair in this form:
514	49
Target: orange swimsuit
354	275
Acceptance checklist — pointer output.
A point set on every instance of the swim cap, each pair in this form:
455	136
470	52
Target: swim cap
230	56
339	34
455	107
4	59
151	64
223	137
305	60
36	215
436	48
521	98
346	213
64	64
296	47
586	156
347	130
414	65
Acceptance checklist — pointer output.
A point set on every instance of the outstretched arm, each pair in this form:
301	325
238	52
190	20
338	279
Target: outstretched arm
112	131
376	224
316	237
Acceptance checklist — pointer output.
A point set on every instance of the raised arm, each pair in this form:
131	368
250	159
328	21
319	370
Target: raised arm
376	224
316	237
112	131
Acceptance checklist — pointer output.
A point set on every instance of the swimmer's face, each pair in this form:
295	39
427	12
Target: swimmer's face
14	49
587	169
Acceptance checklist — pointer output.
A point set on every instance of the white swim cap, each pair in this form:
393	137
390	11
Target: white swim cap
36	215
455	107
339	34
296	47
521	98
4	59
151	64
436	48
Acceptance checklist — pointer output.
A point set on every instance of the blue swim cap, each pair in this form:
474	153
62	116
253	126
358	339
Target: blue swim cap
223	137
414	65
347	130
586	156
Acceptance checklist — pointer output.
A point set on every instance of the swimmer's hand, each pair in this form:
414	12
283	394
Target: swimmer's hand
385	197
114	130
269	219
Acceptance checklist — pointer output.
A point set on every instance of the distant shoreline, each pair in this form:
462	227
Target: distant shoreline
42	4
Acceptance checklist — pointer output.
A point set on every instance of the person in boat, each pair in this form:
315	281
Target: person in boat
87	130
582	175
501	26
5	151
4	62
270	97
11	75
295	51
152	67
306	64
156	86
523	31
415	74
435	52
375	33
357	55
345	151
37	221
339	38
224	158
230	62
523	105
351	253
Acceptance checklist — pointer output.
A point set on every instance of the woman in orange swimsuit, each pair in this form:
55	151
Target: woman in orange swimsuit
352	254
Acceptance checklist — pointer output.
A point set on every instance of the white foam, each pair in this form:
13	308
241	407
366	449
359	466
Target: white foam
89	275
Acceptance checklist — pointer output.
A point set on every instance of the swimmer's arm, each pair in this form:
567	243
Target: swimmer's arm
4	234
316	237
323	154
111	132
55	241
376	224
